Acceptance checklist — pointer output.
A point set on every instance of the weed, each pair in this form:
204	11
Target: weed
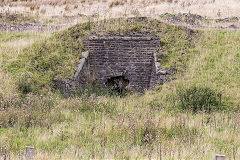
199	98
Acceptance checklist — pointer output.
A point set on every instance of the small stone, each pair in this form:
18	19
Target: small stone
162	72
220	157
233	26
29	153
157	64
85	54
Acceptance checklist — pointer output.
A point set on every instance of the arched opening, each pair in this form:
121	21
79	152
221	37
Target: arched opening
117	84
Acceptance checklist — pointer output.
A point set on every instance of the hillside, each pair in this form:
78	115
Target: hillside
194	115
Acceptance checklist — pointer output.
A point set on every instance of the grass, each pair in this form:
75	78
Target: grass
16	18
57	56
198	98
48	9
136	126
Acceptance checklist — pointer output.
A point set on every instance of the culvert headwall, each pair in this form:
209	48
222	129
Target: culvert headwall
131	57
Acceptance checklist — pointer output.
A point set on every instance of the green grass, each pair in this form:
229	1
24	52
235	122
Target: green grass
9	36
135	126
39	64
57	56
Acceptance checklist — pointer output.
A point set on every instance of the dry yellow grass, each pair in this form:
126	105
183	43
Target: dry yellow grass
133	127
47	9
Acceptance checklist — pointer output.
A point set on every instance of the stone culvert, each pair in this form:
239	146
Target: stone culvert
124	62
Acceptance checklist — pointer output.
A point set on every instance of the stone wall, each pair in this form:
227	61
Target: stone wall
126	56
132	58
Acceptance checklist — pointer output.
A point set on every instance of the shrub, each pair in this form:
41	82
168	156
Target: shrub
198	98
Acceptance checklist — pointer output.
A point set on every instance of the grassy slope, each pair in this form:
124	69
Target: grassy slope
57	56
217	65
137	126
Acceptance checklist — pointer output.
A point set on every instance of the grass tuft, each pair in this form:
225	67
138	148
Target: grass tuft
199	98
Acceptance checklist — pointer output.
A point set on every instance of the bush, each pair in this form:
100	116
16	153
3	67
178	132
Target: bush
199	98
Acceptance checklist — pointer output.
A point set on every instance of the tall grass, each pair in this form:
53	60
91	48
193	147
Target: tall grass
136	126
49	9
57	56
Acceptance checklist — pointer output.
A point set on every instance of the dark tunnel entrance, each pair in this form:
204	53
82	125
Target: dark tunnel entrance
117	84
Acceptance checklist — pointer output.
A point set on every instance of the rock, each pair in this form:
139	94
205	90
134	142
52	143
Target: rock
157	65
85	54
67	86
232	26
162	72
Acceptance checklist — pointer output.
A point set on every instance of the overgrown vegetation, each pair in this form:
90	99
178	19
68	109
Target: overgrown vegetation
135	126
57	56
199	98
45	60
